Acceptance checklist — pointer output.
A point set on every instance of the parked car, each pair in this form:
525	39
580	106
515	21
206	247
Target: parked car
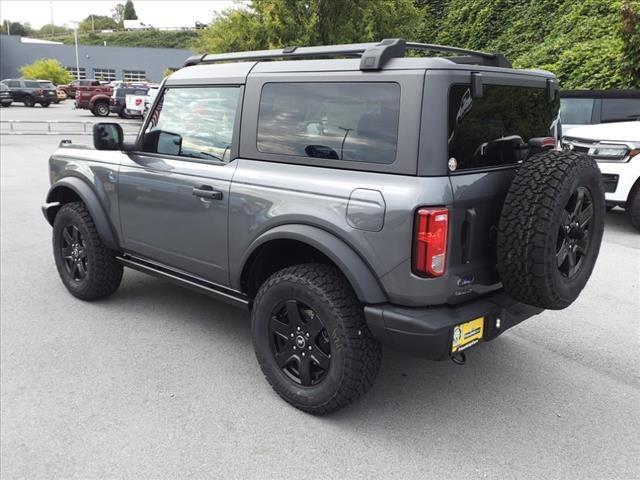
95	98
70	89
48	85
30	92
5	95
134	94
616	148
416	202
588	107
150	98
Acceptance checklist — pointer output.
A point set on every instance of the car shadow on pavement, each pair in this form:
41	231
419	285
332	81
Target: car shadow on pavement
407	388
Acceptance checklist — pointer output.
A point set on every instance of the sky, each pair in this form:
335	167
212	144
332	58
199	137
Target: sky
159	13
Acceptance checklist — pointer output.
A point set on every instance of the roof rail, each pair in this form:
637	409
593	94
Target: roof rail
373	55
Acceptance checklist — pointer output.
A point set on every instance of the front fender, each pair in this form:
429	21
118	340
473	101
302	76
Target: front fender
90	199
354	268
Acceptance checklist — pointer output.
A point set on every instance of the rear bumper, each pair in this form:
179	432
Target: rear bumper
427	332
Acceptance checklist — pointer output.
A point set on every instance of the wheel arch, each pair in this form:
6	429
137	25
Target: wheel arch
74	189
301	244
101	98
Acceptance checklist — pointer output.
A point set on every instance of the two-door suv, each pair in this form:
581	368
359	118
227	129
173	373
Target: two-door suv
349	196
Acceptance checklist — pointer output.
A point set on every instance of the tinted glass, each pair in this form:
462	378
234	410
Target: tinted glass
13	83
620	109
576	111
47	85
489	131
194	123
32	84
340	121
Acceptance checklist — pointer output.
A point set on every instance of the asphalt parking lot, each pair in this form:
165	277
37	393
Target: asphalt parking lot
159	382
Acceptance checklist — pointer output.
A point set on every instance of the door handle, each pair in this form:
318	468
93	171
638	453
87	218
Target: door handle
206	191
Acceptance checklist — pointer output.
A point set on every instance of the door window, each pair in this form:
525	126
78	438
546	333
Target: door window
193	122
620	109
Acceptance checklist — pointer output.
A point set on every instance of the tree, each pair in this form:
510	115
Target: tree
98	22
49	29
16	28
47	69
278	23
129	11
117	13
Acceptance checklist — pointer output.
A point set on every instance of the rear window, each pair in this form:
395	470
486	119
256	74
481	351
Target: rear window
620	109
32	84
47	85
355	122
487	131
576	111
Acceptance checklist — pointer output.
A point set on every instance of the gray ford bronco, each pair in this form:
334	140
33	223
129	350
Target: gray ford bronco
348	196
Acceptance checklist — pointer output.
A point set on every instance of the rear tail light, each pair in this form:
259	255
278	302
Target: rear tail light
430	241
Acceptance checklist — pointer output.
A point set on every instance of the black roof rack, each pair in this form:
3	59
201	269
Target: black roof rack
373	55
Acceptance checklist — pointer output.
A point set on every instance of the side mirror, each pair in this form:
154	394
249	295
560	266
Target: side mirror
159	141
107	136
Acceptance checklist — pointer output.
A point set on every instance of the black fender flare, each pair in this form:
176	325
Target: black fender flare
90	199
353	267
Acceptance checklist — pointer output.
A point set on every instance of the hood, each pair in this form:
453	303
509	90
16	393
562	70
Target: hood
615	132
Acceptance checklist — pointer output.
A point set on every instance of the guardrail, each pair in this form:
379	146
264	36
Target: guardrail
86	128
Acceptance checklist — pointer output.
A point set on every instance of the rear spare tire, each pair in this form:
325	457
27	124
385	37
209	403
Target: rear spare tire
550	229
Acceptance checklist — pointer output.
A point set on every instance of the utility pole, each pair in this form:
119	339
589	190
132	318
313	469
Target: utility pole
75	38
51	12
8	27
92	27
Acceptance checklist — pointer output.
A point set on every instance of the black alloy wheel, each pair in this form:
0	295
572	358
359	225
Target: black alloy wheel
74	253
574	232
300	342
28	101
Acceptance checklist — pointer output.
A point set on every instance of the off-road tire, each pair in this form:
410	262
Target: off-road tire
28	101
633	206
100	109
103	272
355	354
529	235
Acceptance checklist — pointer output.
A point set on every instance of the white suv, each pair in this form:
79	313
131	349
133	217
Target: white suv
616	148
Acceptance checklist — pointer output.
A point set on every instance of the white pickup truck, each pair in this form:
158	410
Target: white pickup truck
616	148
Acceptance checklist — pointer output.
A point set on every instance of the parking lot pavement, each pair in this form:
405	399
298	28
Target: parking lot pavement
159	382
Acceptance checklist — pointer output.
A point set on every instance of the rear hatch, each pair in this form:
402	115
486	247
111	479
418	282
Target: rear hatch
488	138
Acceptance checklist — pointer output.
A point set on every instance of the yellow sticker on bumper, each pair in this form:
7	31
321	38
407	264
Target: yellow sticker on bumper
467	334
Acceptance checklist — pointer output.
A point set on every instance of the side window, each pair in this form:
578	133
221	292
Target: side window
620	109
576	111
193	122
13	83
31	84
355	122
